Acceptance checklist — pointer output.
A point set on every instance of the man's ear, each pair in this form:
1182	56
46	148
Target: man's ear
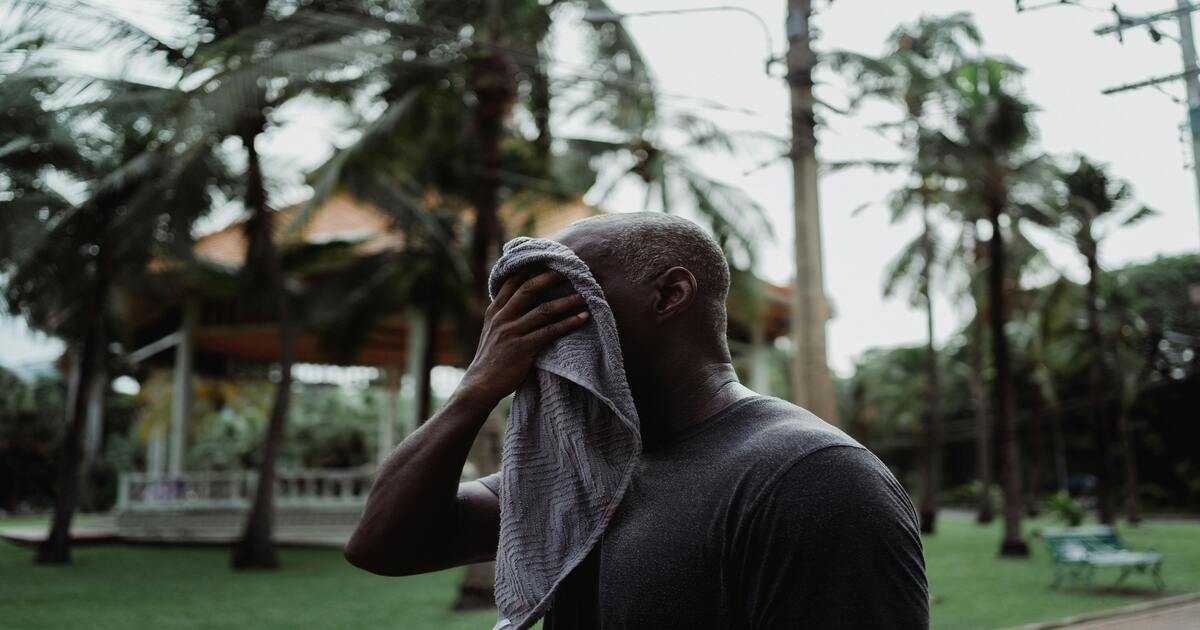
676	291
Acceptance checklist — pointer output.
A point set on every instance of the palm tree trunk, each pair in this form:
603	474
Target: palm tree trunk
1133	506
432	322
984	511
93	438
1096	380
56	548
1012	544
1033	502
493	84
1060	446
255	549
540	103
933	414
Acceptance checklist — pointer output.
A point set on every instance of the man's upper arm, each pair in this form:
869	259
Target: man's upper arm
834	544
491	482
477	523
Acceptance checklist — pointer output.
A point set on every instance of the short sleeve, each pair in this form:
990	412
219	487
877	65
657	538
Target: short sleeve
491	482
833	544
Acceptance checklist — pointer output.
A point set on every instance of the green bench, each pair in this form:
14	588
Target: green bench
1078	552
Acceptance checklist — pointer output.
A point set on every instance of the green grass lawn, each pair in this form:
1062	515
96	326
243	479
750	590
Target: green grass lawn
972	588
188	588
130	588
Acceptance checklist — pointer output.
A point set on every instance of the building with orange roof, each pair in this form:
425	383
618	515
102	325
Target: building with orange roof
220	333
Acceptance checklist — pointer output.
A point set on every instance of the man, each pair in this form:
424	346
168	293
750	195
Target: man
745	511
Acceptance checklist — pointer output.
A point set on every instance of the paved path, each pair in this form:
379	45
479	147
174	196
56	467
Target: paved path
1184	616
91	528
1181	612
103	529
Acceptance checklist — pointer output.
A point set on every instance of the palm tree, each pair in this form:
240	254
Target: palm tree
916	70
1094	198
985	150
69	249
1047	343
444	147
248	59
984	433
244	59
1135	348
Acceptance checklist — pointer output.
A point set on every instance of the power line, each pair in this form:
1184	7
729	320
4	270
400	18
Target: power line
1182	14
1124	22
1021	8
1190	72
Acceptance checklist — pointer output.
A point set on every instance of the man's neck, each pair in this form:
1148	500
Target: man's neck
688	397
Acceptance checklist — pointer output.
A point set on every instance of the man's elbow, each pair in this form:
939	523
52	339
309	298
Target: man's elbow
371	560
356	555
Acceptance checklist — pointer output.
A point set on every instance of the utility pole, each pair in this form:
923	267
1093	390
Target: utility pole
812	384
1183	15
1188	43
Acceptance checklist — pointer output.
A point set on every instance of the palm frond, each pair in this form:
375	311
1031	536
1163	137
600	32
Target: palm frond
1138	216
886	166
905	268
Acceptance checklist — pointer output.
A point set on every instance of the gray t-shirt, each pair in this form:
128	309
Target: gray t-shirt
762	516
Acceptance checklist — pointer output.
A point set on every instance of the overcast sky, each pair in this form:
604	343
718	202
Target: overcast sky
702	60
719	57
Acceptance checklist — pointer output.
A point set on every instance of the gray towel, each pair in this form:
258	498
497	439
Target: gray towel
570	446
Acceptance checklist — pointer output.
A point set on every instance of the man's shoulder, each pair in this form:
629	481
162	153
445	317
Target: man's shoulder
768	428
765	439
829	477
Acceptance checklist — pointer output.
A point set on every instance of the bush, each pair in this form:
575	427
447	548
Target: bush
30	429
1064	507
967	495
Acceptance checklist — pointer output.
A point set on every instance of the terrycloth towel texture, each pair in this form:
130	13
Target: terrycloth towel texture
570	447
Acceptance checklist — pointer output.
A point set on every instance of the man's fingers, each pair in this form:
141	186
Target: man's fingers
527	295
544	335
507	289
548	312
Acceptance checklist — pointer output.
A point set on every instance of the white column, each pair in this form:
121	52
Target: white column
181	394
156	450
94	428
391	411
418	342
75	372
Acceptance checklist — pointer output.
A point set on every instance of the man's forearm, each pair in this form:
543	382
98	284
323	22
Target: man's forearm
409	513
414	520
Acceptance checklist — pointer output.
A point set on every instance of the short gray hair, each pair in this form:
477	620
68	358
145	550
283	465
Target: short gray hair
648	243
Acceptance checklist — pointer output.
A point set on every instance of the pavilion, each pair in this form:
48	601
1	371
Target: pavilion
218	334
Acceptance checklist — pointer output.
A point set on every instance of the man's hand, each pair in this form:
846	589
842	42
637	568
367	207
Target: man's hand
516	327
418	517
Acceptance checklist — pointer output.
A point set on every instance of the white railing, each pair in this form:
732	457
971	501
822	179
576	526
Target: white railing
235	489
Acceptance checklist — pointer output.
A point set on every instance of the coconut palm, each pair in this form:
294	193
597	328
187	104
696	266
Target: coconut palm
243	60
986	150
1048	344
1144	333
976	259
246	60
915	72
1094	199
84	211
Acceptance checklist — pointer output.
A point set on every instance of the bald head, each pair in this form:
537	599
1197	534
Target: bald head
641	246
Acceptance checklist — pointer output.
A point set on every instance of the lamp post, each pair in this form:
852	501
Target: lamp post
604	16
